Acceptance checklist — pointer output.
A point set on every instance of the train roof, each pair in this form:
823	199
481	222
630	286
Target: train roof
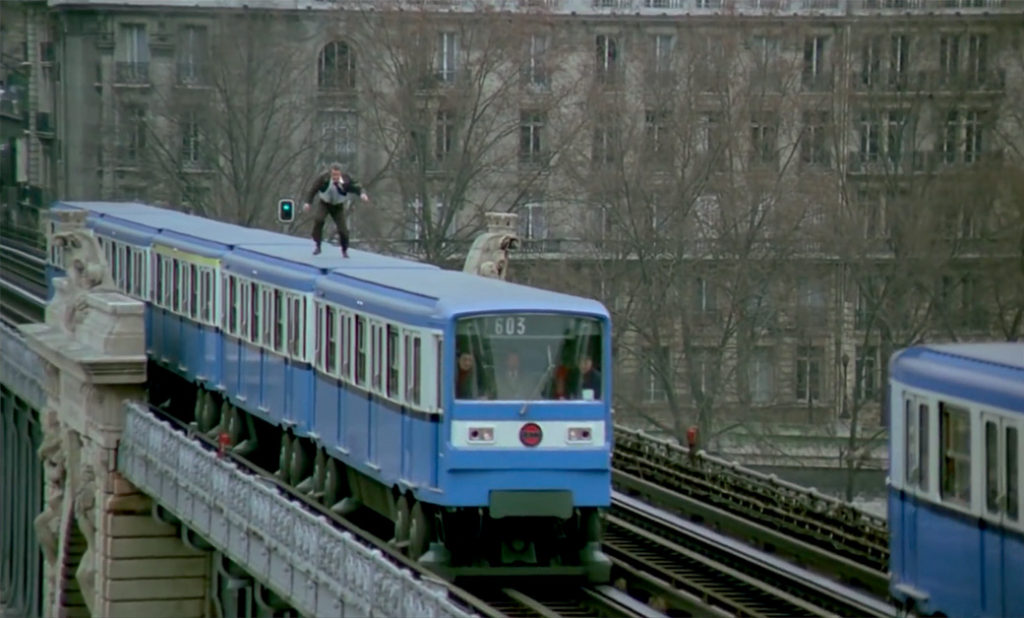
330	259
987	373
459	292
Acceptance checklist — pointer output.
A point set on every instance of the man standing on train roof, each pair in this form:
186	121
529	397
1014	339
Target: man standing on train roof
334	189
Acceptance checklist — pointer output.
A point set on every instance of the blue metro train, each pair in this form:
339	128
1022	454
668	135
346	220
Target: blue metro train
956	496
471	412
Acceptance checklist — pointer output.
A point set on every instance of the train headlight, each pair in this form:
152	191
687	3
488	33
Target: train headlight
480	435
580	434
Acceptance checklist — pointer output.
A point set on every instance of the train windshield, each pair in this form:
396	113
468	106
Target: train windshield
528	356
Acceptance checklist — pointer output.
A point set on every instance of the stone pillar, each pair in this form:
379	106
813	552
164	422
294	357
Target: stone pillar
104	554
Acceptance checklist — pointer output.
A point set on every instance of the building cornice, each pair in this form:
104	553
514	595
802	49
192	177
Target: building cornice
599	8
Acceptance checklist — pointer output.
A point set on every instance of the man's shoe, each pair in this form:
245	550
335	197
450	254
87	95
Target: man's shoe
344	253
316	250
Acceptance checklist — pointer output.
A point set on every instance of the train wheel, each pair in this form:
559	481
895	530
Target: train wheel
421	532
298	463
334	483
402	523
284	457
314	483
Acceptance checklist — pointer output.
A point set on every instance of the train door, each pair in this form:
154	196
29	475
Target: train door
917	484
1002	507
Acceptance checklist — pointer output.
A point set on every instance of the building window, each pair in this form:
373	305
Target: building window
704	372
704	298
977	57
764	129
811	300
866	378
814	147
605	144
531	138
192	55
949	56
964	136
336	68
869	132
191	141
816	71
656	139
871	61
761	376
533	221
808	373
444	135
899	61
535	71
338	133
132	59
664	47
131	134
447	57
655	374
607	59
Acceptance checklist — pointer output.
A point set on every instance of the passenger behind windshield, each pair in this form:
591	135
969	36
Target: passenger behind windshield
528	357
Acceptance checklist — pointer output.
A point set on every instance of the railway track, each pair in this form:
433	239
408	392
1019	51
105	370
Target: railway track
815	530
690	569
22	282
599	601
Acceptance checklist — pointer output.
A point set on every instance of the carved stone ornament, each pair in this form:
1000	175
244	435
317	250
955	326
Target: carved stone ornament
51	451
85	515
489	255
86	271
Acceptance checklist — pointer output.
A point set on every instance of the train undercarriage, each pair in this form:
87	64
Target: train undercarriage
454	542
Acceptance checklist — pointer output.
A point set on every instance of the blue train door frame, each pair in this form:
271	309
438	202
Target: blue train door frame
911	509
1000	440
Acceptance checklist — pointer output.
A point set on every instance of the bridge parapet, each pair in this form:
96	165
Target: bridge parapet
95	531
318	569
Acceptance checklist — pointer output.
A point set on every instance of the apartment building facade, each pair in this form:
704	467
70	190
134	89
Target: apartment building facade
772	195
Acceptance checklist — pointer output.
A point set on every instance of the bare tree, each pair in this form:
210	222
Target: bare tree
463	109
688	168
230	134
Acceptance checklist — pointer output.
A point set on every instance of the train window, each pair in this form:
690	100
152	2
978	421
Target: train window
269	317
438	372
955	438
254	313
991	467
922	440
137	278
910	426
186	284
528	357
413	348
345	345
318	338
176	292
331	352
393	356
1012	475
295	330
157	279
170	280
231	304
193	291
279	320
207	295
375	356
360	350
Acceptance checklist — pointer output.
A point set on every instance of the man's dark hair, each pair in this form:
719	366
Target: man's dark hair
336	166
